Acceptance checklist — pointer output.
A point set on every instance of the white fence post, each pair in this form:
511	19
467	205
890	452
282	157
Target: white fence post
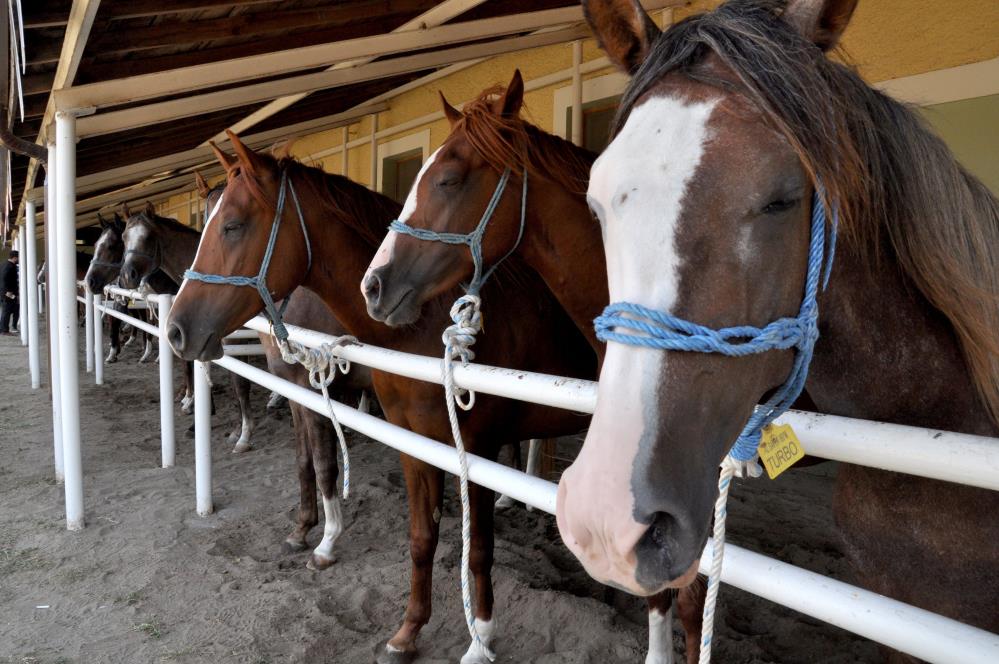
203	438
30	259
22	285
167	433
88	308
98	348
52	270
65	291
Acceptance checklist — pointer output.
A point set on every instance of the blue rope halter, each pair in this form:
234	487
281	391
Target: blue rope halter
635	325
474	239
260	281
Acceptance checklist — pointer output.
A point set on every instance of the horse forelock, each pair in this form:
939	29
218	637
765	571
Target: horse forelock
895	185
512	142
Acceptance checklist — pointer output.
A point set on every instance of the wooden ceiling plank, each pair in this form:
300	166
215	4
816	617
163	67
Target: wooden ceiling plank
179	81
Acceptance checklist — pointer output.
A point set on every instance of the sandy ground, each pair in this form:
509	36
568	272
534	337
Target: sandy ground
149	581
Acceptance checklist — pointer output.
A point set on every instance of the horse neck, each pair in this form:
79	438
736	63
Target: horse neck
177	250
563	244
886	354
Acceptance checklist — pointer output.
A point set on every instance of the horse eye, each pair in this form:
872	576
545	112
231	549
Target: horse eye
232	226
780	205
448	181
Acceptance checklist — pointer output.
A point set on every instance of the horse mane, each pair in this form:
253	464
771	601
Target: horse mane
512	142
897	187
169	222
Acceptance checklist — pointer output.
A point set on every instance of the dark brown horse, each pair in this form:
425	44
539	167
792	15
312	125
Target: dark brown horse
730	122
344	223
558	238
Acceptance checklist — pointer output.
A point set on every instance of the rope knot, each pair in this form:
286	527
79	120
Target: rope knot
458	339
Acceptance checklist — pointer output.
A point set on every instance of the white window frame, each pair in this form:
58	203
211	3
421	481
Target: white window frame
594	89
420	140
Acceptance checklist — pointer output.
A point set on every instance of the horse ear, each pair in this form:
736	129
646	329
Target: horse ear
247	157
821	22
509	104
203	187
622	29
150	210
224	159
450	112
125	212
103	222
118	222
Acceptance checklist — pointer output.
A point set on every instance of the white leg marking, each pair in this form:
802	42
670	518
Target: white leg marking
475	653
331	529
112	355
660	638
243	443
187	403
274	400
363	404
147	350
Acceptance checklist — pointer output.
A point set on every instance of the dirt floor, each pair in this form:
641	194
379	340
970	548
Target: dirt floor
150	581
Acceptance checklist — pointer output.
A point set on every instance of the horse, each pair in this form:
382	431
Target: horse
103	269
314	443
336	218
736	137
555	233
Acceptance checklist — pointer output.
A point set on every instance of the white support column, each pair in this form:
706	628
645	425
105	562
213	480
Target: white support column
22	283
577	93
89	318
344	150
374	152
167	436
65	291
51	271
98	341
203	439
30	259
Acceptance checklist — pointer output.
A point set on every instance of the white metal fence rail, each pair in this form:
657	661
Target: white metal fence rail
966	459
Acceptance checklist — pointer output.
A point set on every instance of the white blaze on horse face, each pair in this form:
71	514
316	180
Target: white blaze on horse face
204	233
387	248
637	188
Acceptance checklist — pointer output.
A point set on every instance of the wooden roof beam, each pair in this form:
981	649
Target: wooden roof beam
212	74
150	114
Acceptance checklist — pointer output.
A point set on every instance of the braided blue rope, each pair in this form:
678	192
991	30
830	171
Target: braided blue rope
635	325
474	239
260	280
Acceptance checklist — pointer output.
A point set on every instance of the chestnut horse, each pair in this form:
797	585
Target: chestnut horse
732	120
340	225
557	237
315	446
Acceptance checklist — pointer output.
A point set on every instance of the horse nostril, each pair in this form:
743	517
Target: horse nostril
665	551
373	289
175	335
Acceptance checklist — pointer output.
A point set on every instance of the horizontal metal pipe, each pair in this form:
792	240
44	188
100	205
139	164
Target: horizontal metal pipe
238	350
142	325
906	628
243	334
132	294
944	455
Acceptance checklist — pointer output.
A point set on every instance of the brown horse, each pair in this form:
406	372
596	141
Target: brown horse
315	446
558	238
343	223
731	120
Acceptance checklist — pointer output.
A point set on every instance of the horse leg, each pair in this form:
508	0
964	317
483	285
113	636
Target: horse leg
241	436
425	489
308	516
533	447
690	609
275	401
187	402
480	564
660	628
114	336
324	448
363	404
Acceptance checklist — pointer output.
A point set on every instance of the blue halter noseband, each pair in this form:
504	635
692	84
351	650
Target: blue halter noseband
635	325
260	281
474	239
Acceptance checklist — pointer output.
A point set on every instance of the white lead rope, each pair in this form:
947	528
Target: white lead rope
322	364
458	339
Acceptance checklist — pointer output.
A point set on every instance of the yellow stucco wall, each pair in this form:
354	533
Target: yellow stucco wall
887	39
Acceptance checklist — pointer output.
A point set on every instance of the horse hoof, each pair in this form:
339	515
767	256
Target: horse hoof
241	447
293	546
386	654
504	502
318	563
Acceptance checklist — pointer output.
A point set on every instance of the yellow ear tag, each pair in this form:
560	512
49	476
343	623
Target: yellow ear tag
779	448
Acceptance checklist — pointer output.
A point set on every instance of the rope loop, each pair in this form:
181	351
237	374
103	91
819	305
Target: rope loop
458	339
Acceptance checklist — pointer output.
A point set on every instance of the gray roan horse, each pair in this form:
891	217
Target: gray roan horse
731	120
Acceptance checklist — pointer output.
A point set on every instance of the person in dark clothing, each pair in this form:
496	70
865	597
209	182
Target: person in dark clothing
9	292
